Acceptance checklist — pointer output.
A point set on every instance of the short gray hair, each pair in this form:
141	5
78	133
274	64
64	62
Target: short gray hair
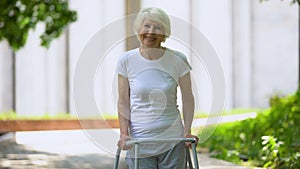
154	14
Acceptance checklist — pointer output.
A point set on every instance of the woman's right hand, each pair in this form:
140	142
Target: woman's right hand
122	142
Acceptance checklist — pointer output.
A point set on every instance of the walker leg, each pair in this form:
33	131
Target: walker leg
136	156
195	156
116	164
188	158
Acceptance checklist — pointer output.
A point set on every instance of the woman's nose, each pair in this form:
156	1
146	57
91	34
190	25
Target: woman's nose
151	29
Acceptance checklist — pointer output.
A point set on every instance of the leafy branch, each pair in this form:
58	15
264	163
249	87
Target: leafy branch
18	17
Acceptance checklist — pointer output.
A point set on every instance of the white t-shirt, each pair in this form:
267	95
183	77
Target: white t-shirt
153	94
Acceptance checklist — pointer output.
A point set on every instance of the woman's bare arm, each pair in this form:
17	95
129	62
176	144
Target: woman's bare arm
123	110
187	102
188	105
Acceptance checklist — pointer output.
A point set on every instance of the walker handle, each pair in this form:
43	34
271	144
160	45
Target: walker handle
157	140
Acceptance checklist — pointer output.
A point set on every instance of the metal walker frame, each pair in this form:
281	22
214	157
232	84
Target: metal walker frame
137	142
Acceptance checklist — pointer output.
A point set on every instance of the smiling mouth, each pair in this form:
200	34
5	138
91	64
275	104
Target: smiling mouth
149	37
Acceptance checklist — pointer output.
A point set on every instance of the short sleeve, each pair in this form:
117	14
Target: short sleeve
184	66
122	66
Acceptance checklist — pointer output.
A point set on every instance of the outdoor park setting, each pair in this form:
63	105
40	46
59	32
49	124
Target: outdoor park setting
59	87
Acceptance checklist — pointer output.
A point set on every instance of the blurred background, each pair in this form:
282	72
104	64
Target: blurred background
257	43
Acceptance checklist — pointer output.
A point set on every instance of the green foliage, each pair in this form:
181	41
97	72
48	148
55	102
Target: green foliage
271	151
18	17
271	140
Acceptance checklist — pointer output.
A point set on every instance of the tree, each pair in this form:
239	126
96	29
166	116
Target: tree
18	17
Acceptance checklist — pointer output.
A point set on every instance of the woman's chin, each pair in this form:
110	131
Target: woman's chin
150	45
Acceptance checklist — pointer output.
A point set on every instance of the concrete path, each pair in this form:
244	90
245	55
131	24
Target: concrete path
73	150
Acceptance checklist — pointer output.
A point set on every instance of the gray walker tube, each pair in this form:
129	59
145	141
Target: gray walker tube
137	142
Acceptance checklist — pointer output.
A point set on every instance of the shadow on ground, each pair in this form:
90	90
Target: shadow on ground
14	156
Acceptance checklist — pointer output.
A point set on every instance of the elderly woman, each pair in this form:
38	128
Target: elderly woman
148	78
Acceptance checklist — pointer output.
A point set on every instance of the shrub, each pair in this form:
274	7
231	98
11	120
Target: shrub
271	140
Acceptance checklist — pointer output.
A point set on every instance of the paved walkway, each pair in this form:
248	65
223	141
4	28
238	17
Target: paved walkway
73	150
89	149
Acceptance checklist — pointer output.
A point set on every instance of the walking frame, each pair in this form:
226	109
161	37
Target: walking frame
137	142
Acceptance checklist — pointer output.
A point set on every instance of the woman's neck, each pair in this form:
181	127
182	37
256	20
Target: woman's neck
152	53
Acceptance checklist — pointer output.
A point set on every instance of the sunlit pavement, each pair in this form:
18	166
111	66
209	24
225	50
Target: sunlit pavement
75	149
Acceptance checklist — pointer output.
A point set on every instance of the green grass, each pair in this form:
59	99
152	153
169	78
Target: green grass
227	112
46	116
15	116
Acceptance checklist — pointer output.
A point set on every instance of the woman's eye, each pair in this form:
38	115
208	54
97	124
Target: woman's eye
146	26
158	28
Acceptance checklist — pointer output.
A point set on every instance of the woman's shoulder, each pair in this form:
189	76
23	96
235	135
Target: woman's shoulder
180	59
178	54
129	53
126	55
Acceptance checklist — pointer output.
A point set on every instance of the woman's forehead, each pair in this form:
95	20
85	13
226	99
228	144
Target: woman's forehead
146	20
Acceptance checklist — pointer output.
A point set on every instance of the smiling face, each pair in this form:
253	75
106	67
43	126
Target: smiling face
151	34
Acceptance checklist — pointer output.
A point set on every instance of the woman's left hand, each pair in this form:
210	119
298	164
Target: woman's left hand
188	144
